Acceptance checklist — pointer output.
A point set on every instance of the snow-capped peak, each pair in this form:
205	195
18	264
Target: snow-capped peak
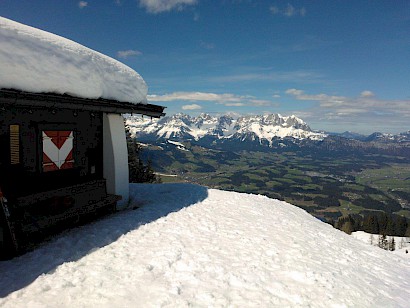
262	127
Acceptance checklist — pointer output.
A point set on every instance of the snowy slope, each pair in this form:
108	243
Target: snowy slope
37	61
189	246
402	244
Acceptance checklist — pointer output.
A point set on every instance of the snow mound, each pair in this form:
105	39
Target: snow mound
36	61
190	246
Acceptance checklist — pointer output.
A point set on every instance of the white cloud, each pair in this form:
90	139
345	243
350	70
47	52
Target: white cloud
260	102
191	107
294	92
366	110
199	96
226	99
82	4
288	11
234	104
195	96
128	53
324	98
160	6
291	76
367	94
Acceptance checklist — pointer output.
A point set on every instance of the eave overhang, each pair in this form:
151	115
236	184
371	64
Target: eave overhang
13	98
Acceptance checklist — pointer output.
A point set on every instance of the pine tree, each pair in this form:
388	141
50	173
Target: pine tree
138	171
371	239
383	244
370	224
346	224
402	243
380	241
347	227
401	226
390	226
382	222
392	244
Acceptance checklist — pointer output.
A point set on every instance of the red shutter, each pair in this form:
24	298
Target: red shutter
57	150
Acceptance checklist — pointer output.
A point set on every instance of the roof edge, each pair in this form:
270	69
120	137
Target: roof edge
23	99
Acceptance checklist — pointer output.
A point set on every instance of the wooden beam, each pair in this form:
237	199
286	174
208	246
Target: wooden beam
55	101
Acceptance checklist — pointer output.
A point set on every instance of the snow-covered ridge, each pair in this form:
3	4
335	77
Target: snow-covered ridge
191	246
384	137
264	127
179	145
37	61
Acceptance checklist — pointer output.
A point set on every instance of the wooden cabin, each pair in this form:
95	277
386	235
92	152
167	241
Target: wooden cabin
63	151
61	157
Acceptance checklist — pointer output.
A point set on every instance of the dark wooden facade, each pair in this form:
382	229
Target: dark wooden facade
35	197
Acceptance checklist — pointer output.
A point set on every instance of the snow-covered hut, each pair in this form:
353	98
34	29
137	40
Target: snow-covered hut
63	149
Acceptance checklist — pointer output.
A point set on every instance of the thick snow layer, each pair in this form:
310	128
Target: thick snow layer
37	61
190	246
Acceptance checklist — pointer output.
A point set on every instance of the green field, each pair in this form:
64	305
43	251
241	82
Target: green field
326	185
393	177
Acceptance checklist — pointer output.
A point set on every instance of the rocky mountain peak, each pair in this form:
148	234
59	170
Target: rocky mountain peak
251	127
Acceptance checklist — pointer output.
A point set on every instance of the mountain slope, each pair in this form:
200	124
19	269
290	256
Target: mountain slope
189	246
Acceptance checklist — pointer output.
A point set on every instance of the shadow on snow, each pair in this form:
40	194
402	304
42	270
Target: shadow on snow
153	202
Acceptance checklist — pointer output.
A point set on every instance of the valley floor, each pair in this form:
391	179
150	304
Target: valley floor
186	245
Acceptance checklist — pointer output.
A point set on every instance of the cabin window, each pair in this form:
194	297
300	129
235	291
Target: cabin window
57	150
14	144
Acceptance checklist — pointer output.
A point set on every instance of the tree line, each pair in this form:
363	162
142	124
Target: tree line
139	171
374	222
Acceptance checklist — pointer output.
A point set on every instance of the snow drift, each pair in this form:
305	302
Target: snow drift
190	246
36	61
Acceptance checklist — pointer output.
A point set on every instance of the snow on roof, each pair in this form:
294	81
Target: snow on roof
36	61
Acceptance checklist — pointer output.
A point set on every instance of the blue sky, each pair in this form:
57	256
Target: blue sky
339	65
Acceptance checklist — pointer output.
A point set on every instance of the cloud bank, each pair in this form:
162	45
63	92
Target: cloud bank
303	76
288	11
226	99
365	111
191	107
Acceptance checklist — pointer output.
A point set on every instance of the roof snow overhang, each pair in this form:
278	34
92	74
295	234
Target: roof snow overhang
55	101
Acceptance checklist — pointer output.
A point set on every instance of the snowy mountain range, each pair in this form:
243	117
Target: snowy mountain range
254	132
383	137
260	128
376	137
